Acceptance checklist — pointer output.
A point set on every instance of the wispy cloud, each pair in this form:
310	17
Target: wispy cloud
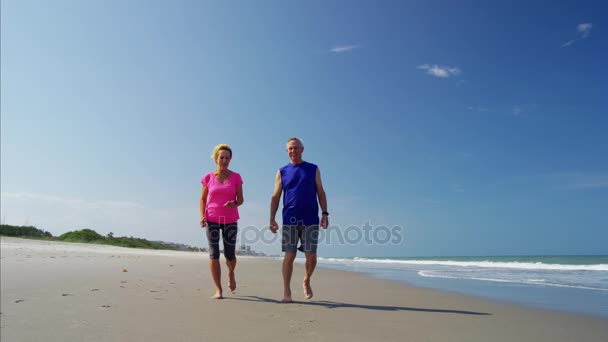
442	71
477	108
457	188
580	180
74	203
522	109
344	48
584	30
517	110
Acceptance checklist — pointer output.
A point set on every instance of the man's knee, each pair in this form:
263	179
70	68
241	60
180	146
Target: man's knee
290	256
311	256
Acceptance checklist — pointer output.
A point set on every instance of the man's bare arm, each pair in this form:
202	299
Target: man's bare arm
274	202
322	198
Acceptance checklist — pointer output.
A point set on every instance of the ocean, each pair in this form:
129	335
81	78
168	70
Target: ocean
566	283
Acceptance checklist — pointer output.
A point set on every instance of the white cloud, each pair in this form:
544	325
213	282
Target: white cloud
344	48
568	43
440	71
584	30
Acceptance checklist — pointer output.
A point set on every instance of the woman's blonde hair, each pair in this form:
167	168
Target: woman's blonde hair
220	147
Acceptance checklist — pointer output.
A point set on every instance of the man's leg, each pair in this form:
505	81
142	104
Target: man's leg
289	245
311	262
310	240
287	271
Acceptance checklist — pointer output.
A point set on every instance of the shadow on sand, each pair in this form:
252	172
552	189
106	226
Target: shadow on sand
334	305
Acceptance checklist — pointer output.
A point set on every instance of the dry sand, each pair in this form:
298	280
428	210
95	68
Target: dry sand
53	291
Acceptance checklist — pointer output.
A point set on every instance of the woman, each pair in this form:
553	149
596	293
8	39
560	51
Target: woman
222	194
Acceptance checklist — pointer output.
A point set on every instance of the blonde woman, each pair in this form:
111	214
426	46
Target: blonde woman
221	196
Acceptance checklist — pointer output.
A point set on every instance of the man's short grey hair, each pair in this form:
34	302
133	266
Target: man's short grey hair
295	139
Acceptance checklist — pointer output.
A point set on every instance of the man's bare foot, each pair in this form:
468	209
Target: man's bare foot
287	297
217	295
231	282
307	289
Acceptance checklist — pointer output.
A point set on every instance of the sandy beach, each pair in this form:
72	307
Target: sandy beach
52	291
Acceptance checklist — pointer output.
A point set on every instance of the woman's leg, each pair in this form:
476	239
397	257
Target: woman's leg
213	238
229	236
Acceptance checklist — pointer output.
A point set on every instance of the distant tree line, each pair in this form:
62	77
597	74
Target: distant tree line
24	231
91	236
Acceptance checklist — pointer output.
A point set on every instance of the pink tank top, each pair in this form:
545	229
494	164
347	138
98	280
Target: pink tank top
220	193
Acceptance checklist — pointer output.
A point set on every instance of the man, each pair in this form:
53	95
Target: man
300	182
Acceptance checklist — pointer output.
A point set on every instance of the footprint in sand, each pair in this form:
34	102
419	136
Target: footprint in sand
94	289
123	282
153	291
20	300
105	306
66	294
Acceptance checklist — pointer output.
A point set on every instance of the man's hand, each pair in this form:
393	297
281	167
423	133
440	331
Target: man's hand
324	221
274	227
203	222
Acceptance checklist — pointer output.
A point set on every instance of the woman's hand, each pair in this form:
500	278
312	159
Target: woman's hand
203	222
230	204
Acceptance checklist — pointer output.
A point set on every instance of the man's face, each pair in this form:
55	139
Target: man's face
294	150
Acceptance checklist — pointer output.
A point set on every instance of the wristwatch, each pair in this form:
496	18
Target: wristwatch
325	213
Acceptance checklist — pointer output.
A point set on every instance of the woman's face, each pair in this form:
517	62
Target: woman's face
223	159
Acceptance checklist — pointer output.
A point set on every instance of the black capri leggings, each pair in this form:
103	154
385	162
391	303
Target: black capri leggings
228	232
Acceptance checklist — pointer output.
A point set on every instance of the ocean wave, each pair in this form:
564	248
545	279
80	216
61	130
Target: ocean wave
539	282
482	264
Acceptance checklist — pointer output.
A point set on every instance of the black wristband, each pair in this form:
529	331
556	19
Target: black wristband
325	213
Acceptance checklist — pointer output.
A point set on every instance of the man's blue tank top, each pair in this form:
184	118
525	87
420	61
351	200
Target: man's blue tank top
300	205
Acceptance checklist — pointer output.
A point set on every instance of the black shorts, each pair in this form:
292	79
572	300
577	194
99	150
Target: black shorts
307	236
228	232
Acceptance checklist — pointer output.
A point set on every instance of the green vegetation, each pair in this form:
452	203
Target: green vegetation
91	236
23	231
84	235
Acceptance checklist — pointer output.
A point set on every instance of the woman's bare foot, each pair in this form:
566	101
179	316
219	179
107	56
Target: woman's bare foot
307	289
218	295
231	282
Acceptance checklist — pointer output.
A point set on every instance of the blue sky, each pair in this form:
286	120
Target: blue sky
477	127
